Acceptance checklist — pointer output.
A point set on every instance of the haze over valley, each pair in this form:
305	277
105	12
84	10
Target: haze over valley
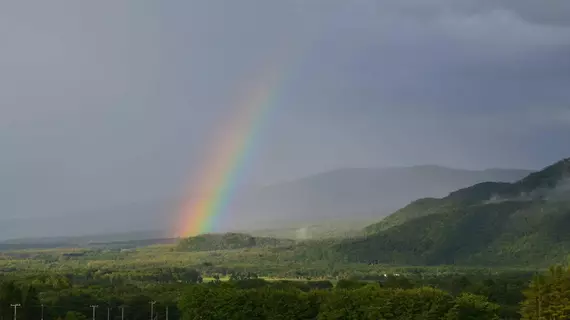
354	197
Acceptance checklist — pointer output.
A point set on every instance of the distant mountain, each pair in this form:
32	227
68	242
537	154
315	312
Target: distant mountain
521	223
357	194
86	239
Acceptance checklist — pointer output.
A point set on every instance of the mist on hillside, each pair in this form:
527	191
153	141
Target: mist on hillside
560	191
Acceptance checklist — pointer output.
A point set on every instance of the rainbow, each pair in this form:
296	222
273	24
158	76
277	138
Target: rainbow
227	162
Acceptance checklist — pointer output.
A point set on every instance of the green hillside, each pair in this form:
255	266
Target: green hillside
331	228
416	209
523	223
228	241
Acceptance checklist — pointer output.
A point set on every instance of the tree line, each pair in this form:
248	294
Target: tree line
371	301
246	296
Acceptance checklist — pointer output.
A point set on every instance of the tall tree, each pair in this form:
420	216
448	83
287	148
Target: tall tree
548	296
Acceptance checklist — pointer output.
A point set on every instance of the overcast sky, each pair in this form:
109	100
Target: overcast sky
107	102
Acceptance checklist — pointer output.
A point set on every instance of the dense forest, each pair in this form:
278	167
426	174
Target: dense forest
185	294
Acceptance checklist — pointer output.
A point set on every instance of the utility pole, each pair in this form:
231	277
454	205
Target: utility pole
42	311
166	312
152	303
108	313
122	312
94	307
15	306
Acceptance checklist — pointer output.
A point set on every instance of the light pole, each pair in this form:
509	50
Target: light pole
152	303
15	306
122	312
94	307
108	313
42	311
166	312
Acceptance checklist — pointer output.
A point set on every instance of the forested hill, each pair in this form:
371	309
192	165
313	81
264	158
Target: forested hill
229	241
525	222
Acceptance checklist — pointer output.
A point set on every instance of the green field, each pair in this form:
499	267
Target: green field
71	279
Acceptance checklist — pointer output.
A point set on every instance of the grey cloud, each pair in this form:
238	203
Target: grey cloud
108	102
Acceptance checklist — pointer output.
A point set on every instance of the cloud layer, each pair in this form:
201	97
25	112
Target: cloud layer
110	102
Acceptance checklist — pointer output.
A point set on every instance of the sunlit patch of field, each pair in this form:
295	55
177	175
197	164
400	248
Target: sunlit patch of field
269	279
212	279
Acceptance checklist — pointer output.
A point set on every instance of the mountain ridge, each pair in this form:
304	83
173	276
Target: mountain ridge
364	194
357	192
485	224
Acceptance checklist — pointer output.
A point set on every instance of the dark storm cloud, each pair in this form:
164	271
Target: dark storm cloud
479	82
454	59
108	102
